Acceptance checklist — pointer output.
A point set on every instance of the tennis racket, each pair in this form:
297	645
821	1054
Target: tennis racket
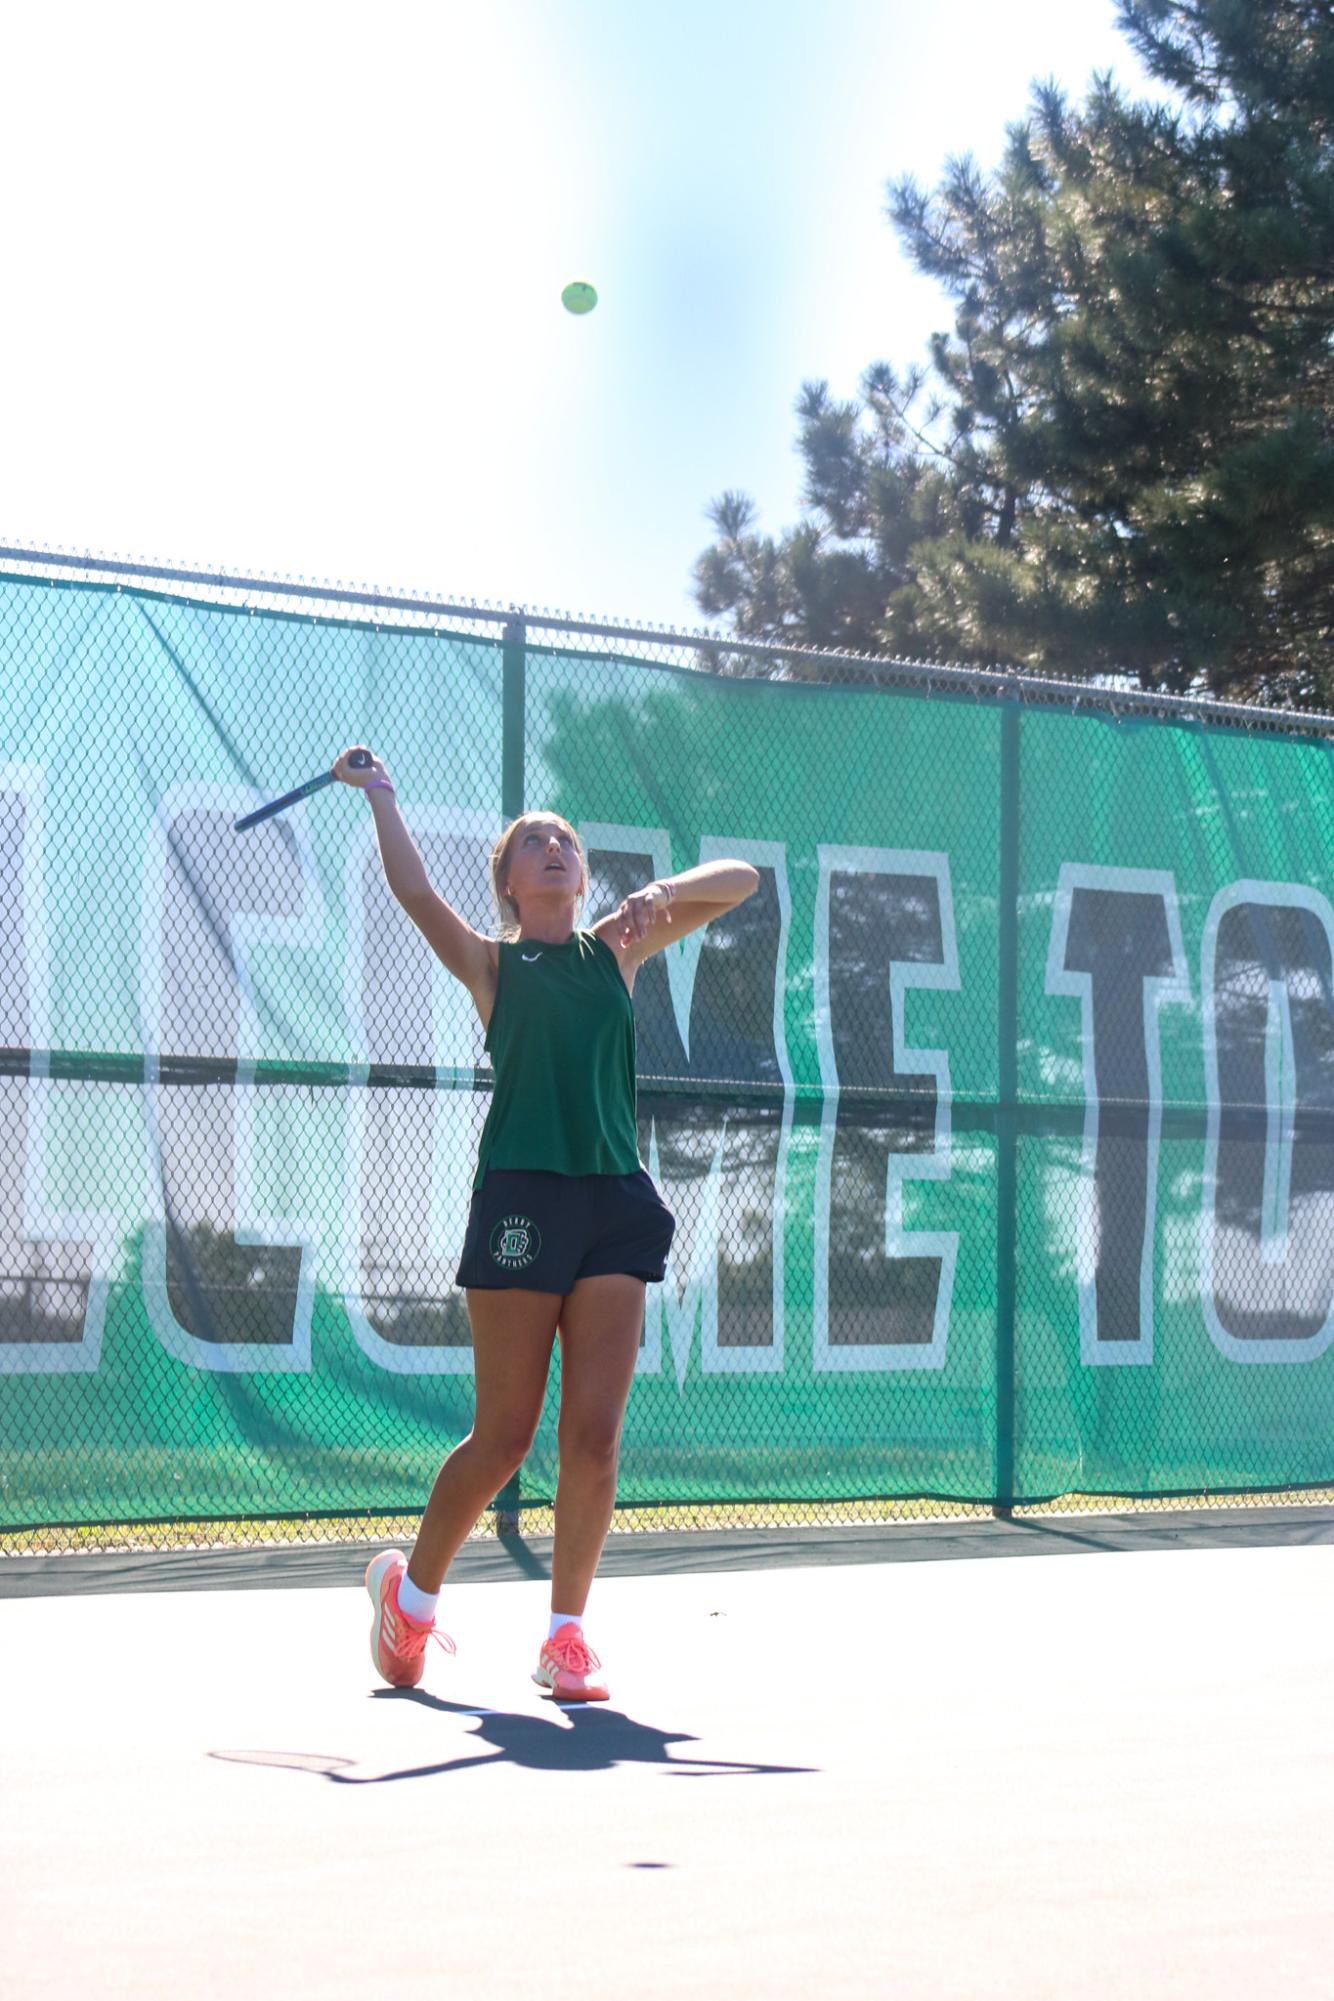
359	760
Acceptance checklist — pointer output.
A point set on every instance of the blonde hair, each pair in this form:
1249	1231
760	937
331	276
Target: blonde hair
507	909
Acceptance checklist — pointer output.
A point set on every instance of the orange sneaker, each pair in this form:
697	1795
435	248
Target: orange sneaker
398	1644
565	1667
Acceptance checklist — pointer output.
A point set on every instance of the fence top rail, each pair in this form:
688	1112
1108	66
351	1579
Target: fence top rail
947	677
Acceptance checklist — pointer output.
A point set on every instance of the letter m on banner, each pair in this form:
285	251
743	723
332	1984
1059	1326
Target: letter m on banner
882	1290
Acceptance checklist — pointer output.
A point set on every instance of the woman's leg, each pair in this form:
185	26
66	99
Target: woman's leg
512	1336
601	1320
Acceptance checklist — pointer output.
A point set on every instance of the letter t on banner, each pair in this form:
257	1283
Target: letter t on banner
1116	948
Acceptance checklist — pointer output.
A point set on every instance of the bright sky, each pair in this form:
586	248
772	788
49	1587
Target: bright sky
283	279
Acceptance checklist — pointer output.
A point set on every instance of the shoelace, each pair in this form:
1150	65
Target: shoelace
574	1654
410	1638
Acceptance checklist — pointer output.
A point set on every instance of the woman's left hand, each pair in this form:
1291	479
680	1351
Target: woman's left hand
640	912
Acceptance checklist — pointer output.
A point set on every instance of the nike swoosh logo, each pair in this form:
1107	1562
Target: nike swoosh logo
528	958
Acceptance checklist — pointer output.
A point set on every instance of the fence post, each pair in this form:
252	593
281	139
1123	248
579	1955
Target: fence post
1007	1090
513	650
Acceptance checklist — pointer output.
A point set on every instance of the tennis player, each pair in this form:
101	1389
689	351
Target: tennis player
565	1230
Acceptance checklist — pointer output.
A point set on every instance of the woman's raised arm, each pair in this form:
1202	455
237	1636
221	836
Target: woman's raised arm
469	956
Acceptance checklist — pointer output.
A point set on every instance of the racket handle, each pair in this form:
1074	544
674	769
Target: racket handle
360	760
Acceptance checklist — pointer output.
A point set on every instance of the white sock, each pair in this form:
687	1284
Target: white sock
559	1619
417	1604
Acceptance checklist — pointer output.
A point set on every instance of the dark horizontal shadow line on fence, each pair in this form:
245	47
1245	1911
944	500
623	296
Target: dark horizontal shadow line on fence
809	1103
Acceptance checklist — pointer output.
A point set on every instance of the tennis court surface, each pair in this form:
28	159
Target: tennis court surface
871	1763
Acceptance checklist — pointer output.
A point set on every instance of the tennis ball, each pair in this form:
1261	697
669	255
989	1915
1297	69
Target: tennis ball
578	297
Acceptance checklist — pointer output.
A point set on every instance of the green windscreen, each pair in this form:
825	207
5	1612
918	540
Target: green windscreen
999	1170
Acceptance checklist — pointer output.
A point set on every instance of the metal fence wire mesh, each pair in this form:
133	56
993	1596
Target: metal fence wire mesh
998	1122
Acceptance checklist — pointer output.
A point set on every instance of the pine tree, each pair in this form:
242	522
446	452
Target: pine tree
1121	460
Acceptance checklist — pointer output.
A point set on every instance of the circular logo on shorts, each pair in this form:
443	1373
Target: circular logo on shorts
515	1242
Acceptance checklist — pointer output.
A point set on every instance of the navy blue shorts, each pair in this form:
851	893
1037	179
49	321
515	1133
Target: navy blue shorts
542	1231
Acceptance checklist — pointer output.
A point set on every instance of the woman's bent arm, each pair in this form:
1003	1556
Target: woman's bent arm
726	882
673	906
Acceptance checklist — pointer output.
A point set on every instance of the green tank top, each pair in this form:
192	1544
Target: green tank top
562	1043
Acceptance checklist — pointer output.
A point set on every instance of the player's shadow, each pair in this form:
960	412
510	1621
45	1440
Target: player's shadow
585	1739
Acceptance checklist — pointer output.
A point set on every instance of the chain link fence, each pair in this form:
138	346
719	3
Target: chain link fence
998	1123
